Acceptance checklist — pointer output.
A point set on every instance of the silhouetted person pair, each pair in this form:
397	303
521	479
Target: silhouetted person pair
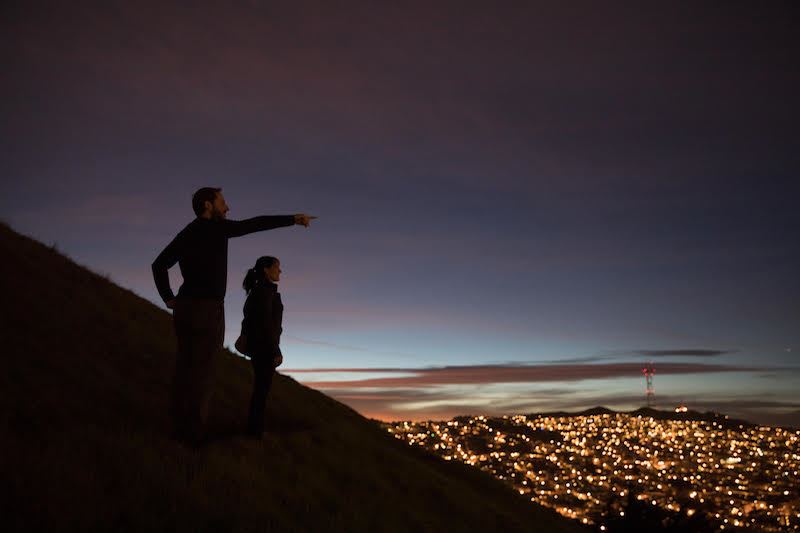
201	250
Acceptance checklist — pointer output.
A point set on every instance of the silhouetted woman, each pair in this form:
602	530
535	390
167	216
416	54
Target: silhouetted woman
263	313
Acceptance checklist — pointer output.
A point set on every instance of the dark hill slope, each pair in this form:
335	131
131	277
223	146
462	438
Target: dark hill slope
83	412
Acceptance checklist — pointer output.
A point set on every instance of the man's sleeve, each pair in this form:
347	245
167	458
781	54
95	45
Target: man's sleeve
166	260
237	228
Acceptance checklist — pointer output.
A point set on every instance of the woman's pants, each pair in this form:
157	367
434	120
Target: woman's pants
262	382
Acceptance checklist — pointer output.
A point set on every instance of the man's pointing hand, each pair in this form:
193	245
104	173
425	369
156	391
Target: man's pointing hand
303	219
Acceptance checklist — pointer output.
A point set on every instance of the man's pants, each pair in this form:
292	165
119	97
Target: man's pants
200	328
263	372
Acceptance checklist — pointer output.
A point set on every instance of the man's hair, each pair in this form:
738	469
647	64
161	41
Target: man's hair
199	198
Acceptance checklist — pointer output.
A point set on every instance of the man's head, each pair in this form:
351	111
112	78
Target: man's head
208	202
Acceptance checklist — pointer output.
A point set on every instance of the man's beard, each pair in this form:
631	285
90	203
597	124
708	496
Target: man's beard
216	214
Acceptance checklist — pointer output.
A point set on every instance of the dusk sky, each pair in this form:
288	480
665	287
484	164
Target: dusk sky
519	203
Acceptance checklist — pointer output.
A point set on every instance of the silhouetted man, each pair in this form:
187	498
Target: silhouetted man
201	250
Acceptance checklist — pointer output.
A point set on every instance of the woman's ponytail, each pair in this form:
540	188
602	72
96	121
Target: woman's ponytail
250	280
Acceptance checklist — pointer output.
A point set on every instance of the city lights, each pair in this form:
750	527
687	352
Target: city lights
584	467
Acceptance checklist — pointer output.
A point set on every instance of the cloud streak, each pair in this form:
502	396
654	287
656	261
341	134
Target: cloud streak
682	353
638	354
485	374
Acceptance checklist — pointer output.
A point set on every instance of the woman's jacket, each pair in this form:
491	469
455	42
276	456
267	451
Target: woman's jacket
263	316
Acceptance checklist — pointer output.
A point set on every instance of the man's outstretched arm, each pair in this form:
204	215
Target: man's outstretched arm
166	260
237	228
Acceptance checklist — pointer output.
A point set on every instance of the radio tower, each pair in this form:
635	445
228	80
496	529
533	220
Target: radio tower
648	371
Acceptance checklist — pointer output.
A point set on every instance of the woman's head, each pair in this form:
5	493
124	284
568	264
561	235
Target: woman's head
266	268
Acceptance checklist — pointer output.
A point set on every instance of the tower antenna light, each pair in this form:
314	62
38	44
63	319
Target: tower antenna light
649	371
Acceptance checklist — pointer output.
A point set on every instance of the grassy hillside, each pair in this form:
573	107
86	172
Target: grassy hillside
85	432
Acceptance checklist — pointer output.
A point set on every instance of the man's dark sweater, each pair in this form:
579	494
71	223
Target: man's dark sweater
201	250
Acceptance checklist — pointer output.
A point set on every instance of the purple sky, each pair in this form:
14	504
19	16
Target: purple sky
518	205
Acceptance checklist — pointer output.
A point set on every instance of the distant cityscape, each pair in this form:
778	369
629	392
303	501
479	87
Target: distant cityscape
592	466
